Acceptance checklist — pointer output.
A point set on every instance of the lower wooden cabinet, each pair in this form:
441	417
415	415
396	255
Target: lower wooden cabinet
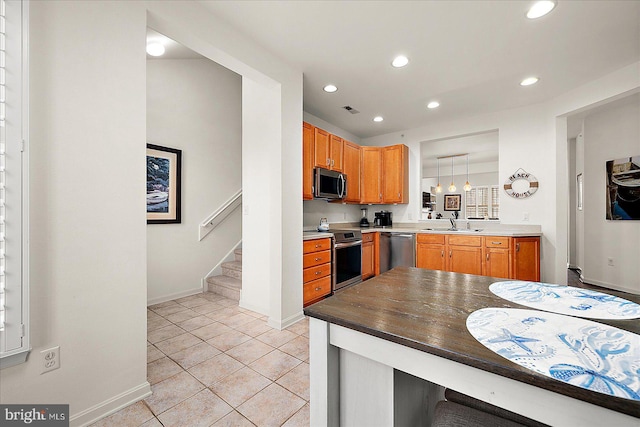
368	255
496	256
316	271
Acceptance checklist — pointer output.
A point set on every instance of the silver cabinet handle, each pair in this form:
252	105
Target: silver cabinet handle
487	257
442	254
517	247
318	289
496	243
398	195
318	272
328	162
333	162
450	254
318	246
318	259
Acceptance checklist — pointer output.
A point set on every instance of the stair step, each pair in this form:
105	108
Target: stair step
232	269
226	286
238	254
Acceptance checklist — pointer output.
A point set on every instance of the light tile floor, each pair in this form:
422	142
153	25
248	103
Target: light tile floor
212	363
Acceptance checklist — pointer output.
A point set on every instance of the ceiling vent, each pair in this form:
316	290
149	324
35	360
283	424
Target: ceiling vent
351	109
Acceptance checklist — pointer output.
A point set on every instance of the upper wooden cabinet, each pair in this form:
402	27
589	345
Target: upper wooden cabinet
352	162
395	177
328	150
307	160
371	180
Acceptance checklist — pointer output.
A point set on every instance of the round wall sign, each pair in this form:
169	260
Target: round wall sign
521	184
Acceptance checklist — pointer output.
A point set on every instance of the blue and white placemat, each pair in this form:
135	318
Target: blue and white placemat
576	351
569	300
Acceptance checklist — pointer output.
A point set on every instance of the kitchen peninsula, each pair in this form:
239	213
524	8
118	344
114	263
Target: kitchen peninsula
381	352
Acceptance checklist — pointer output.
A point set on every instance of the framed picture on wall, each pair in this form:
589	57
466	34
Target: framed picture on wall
164	168
452	202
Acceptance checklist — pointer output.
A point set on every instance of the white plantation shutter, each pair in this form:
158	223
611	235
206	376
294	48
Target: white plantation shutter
14	338
495	202
483	202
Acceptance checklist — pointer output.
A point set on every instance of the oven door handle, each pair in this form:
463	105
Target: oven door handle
347	244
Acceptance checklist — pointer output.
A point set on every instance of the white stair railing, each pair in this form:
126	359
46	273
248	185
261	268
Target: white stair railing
219	215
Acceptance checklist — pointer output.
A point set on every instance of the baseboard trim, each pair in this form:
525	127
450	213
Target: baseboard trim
608	285
285	323
110	406
176	295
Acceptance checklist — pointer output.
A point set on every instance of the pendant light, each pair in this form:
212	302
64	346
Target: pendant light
452	187
467	186
439	187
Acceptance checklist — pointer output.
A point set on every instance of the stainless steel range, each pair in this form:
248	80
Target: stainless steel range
347	258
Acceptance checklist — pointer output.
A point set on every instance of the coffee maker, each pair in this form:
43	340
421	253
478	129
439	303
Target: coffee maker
382	219
364	222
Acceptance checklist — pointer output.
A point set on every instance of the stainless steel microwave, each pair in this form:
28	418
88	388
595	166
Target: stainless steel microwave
329	184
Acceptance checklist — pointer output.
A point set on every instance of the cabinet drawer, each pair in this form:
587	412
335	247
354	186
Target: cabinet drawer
316	245
431	238
497	242
461	240
367	237
316	258
313	273
316	289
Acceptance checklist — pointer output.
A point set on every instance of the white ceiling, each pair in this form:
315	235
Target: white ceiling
468	55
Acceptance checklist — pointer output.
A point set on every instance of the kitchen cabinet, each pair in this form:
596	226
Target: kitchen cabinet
328	150
526	258
308	135
371	182
497	261
464	254
496	256
430	251
352	163
316	273
368	255
395	174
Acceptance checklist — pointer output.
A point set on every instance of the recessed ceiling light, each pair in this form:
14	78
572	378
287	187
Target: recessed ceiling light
540	8
378	119
155	49
400	61
529	81
330	88
433	104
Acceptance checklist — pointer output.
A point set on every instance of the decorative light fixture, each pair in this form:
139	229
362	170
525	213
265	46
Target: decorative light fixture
540	8
330	88
467	186
452	187
439	187
155	49
400	61
529	81
378	119
433	104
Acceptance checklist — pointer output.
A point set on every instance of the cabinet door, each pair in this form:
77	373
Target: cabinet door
465	259
352	170
307	161
321	149
336	153
497	263
526	258
430	256
395	164
367	260
370	184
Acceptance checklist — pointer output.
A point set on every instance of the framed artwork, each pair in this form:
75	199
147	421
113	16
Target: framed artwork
623	189
452	202
163	184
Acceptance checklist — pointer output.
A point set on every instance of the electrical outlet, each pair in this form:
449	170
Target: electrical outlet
610	261
50	359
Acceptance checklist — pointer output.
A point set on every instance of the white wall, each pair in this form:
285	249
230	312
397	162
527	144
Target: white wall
608	135
533	138
194	105
88	232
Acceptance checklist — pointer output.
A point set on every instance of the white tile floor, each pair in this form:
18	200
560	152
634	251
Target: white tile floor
212	363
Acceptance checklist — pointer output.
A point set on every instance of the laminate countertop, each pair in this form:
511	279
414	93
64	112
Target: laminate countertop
427	310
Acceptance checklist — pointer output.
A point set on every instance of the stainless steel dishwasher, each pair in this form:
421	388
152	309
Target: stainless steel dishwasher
397	249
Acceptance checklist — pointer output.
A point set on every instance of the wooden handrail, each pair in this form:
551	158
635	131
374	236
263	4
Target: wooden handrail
219	215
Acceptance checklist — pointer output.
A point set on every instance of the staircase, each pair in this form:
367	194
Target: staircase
229	283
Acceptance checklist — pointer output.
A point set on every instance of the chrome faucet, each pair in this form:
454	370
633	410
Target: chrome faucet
453	224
